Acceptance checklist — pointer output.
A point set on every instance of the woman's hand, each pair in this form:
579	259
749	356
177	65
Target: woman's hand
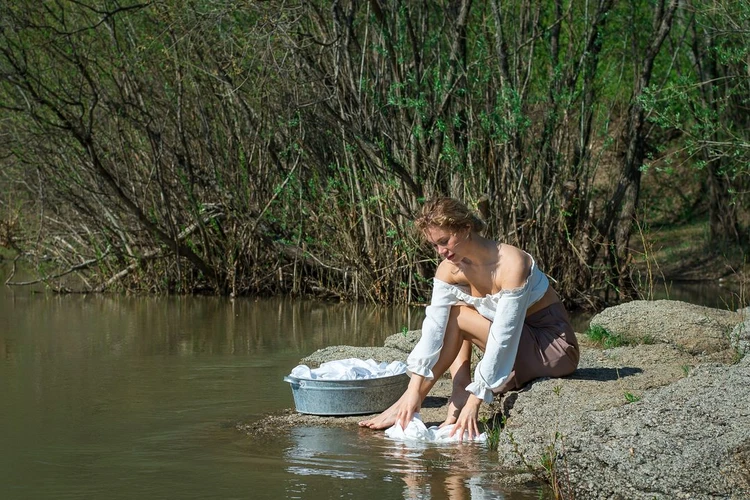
410	402
467	419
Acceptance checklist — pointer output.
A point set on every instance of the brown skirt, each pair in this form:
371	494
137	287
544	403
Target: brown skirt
548	348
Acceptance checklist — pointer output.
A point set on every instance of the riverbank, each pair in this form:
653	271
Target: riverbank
666	414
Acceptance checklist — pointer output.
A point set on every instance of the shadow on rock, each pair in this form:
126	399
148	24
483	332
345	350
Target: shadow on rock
604	374
434	402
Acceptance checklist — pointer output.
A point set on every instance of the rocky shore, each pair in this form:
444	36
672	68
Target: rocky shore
667	415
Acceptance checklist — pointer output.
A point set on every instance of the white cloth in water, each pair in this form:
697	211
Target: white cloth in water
349	369
416	430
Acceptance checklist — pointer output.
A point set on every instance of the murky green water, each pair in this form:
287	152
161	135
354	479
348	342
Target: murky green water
120	397
117	397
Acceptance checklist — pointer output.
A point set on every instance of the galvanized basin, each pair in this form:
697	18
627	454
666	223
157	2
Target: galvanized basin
346	397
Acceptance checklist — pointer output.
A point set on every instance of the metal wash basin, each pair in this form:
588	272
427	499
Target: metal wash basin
346	397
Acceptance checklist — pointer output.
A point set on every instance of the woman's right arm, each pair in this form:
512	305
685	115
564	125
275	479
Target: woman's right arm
427	351
411	402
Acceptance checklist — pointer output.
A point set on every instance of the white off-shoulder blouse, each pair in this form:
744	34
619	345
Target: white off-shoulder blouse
505	309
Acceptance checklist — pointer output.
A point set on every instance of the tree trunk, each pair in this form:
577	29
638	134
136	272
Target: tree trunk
625	200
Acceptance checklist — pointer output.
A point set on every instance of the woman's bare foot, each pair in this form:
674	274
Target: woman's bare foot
384	420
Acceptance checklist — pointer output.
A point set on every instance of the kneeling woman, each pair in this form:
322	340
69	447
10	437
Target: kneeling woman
489	294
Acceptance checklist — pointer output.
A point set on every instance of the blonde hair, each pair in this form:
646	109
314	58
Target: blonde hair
448	213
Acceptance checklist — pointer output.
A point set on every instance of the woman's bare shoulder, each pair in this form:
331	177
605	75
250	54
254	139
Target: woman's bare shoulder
448	272
515	266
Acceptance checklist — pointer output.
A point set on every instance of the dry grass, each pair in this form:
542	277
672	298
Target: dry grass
684	253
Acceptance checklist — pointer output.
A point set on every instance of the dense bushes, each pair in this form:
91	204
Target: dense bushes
282	147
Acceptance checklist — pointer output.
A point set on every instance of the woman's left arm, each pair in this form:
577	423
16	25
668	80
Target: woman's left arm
522	284
502	344
498	360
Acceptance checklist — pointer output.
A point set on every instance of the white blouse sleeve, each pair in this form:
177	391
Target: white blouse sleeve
427	351
503	338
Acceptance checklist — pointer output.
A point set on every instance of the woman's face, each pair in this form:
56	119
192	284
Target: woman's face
447	243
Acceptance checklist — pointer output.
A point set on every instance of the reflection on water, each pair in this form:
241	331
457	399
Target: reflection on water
727	296
456	472
190	325
322	451
406	470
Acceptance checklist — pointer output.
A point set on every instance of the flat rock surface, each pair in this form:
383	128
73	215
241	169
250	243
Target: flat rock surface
686	440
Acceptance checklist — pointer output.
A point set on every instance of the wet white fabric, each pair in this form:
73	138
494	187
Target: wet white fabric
506	309
416	430
349	369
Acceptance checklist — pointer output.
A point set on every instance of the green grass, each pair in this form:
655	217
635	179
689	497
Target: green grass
631	398
492	431
7	254
603	337
679	251
606	339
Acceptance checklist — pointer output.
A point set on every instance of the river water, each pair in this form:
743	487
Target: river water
138	397
122	397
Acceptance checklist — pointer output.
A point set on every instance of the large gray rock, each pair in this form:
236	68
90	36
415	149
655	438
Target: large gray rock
697	329
604	379
405	341
336	352
686	440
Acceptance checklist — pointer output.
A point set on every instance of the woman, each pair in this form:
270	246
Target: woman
489	294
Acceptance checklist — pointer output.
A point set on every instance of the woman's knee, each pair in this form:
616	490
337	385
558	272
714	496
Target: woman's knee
461	314
469	323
